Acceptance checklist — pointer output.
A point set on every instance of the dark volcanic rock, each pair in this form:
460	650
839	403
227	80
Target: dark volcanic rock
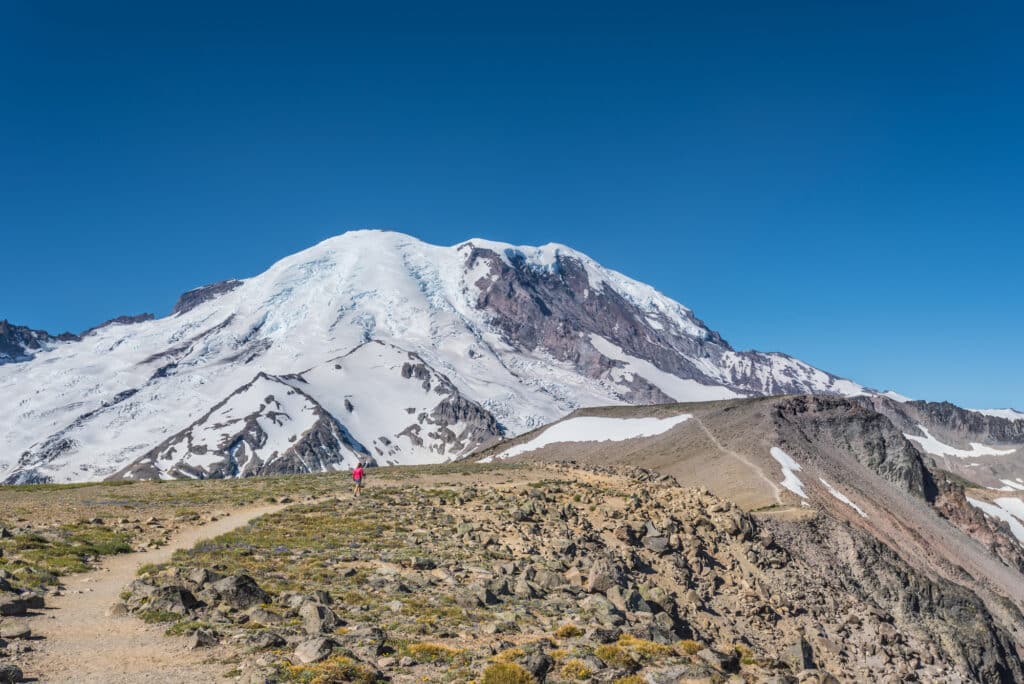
194	298
19	343
121	320
239	591
831	422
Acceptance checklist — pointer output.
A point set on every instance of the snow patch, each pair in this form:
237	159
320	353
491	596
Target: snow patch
842	497
680	389
1001	510
594	429
896	396
937	448
789	470
1007	413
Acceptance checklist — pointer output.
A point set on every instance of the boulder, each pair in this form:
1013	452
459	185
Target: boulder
171	599
317	619
314	650
11	604
33	600
261	616
602	610
603	576
674	674
239	591
118	609
10	674
14	630
656	543
267	639
538	664
202	638
200	577
799	656
726	662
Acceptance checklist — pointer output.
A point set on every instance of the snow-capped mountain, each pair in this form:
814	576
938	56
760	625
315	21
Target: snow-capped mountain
371	344
19	344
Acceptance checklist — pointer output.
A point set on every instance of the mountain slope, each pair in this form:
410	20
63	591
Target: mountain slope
526	334
845	488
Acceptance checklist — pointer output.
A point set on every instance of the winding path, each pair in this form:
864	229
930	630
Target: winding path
81	643
741	458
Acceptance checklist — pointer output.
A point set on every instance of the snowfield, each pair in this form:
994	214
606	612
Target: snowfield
594	429
937	448
1007	413
85	410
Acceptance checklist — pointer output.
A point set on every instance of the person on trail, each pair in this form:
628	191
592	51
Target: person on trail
357	476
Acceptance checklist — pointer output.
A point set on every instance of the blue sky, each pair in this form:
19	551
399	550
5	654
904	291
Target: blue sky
840	183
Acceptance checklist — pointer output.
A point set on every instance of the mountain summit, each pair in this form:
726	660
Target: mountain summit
369	345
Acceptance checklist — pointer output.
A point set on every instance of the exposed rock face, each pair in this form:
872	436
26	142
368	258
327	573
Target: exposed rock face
194	298
19	344
560	307
265	427
121	320
987	450
870	436
914	610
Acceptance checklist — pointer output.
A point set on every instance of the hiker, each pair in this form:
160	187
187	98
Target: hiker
357	477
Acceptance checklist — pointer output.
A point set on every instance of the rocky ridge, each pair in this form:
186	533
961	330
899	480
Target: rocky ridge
576	575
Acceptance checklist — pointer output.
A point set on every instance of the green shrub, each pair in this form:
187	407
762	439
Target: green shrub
506	673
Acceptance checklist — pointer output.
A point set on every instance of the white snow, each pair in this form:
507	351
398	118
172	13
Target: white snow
937	448
896	396
842	497
1008	413
680	389
1000	511
1011	485
314	307
789	472
594	429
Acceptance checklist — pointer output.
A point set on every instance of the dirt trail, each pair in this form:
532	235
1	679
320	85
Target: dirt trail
81	643
739	457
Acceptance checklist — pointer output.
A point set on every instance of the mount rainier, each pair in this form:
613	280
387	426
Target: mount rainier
371	345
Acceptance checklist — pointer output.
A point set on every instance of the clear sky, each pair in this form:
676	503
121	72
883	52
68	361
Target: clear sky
840	181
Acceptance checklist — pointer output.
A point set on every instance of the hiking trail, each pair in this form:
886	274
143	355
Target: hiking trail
82	643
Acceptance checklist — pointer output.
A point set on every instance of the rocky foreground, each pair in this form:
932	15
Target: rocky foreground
555	574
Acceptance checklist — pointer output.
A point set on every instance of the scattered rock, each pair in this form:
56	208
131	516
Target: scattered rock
314	650
14	630
317	619
239	591
11	604
10	674
202	638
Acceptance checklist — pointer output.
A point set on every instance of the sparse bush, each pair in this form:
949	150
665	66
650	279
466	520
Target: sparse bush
568	631
575	670
615	656
689	647
506	673
433	653
334	670
644	650
747	656
509	655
